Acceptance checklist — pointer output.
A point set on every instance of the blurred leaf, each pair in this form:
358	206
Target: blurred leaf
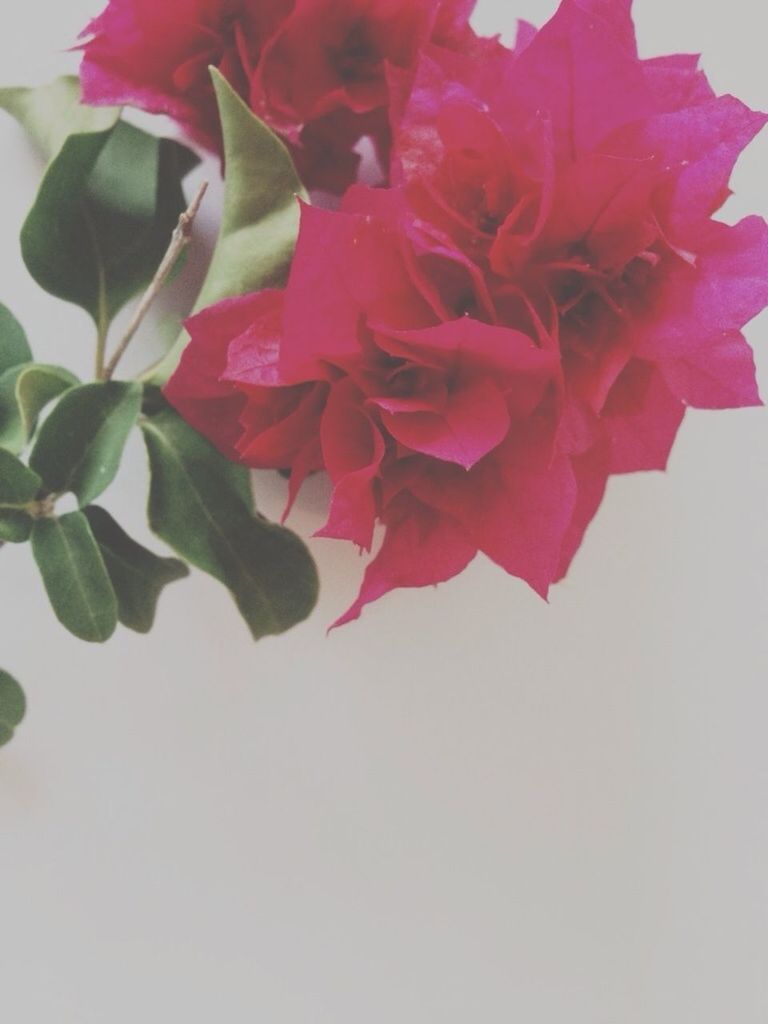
13	706
52	112
194	508
18	484
15	526
75	576
80	445
260	222
108	203
14	347
138	576
25	391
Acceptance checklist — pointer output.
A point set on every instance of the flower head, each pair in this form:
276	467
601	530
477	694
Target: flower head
531	307
315	70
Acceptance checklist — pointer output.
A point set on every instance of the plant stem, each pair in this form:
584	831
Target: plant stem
179	241
102	329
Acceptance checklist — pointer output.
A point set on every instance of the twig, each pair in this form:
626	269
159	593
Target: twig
179	241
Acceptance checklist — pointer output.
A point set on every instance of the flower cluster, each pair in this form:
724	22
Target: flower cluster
528	308
317	71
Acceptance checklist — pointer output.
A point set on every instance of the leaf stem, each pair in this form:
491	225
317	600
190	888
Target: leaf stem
179	241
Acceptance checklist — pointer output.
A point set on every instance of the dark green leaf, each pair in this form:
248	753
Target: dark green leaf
194	508
260	222
13	706
15	526
138	576
75	576
237	477
18	484
14	347
25	391
108	203
80	445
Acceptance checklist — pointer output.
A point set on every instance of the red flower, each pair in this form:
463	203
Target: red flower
582	182
155	55
470	354
316	70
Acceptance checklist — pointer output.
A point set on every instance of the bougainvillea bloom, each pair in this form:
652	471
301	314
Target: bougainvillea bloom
315	70
532	307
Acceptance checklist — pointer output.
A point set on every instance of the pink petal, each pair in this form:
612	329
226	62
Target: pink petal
582	71
726	288
273	435
353	449
421	547
676	81
642	418
516	506
590	469
321	317
196	390
467	345
473	421
697	147
719	375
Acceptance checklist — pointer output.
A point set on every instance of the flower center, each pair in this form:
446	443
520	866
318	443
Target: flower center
357	59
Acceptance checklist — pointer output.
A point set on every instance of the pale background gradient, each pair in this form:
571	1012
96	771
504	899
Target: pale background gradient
470	806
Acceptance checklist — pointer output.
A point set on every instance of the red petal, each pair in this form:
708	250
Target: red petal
473	421
421	547
719	375
642	417
196	390
353	449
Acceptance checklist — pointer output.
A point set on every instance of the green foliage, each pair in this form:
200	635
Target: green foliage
25	391
195	508
15	526
260	222
75	576
53	112
138	575
100	226
14	347
80	445
108	203
13	707
18	485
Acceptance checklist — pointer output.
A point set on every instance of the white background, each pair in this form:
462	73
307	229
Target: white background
470	806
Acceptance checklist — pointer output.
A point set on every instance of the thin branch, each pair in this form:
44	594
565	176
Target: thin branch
179	242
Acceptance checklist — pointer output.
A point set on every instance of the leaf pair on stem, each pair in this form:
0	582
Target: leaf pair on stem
109	220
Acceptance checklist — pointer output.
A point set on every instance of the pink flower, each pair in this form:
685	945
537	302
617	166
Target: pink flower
442	428
471	353
315	70
582	182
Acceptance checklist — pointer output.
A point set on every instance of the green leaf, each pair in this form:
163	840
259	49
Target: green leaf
25	391
75	576
195	508
260	222
80	445
108	203
13	707
15	526
18	485
50	113
14	347
138	576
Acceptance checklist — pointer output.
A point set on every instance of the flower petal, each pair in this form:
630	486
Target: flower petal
422	547
473	421
642	418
